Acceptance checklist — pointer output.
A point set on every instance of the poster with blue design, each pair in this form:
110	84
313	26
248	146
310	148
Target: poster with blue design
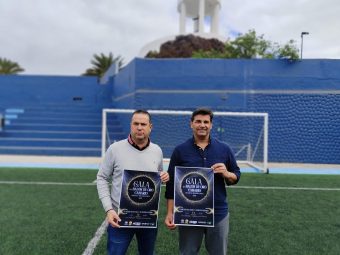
194	196
139	200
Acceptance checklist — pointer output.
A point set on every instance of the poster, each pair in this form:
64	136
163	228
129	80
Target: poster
194	196
139	199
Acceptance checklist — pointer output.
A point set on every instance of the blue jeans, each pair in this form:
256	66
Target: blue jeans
119	239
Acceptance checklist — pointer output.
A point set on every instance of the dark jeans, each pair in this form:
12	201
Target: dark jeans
119	239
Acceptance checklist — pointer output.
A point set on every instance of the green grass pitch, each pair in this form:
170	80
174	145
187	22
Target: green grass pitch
269	214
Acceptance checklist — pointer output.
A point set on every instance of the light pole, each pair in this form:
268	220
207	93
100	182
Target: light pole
302	34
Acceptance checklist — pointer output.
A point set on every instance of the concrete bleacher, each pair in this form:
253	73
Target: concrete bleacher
53	115
55	130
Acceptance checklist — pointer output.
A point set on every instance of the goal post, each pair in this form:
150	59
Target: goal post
245	132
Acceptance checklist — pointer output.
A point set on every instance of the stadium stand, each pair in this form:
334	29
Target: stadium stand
54	130
53	115
301	98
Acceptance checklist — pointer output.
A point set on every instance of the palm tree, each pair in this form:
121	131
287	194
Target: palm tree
9	67
102	63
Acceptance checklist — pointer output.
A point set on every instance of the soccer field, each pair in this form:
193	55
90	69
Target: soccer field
57	211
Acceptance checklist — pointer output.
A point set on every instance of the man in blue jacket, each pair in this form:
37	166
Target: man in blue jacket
202	150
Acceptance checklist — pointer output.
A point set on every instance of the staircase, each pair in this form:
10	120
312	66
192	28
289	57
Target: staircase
55	131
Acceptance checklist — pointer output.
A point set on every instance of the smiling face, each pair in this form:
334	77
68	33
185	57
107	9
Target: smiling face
201	126
140	128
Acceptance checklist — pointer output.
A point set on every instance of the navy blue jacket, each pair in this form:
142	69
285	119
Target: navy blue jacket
190	155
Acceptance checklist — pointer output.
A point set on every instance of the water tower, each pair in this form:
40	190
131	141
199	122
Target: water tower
198	11
202	12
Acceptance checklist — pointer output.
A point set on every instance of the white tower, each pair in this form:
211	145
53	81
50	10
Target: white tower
198	10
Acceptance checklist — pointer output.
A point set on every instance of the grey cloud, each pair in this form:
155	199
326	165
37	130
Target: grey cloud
60	37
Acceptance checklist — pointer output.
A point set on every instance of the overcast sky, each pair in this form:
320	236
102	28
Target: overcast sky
59	37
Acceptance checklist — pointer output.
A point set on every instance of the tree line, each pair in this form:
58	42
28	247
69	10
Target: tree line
244	46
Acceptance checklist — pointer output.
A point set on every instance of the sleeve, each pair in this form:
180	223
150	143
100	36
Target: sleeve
160	166
174	161
104	177
233	167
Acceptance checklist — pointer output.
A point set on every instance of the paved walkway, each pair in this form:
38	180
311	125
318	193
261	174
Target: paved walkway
50	162
94	162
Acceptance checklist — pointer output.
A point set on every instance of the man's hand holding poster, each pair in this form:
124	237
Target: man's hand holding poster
139	199
194	196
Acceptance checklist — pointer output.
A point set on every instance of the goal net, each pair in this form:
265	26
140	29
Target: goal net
245	132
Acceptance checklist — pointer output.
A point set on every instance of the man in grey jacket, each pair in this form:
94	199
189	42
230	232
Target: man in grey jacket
134	153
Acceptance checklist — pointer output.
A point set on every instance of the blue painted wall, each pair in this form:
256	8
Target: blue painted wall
23	90
53	115
301	97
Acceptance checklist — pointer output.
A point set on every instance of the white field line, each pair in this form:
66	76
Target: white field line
101	230
47	183
284	188
95	240
233	187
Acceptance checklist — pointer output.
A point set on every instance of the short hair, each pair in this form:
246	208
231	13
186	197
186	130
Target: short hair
202	111
142	112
